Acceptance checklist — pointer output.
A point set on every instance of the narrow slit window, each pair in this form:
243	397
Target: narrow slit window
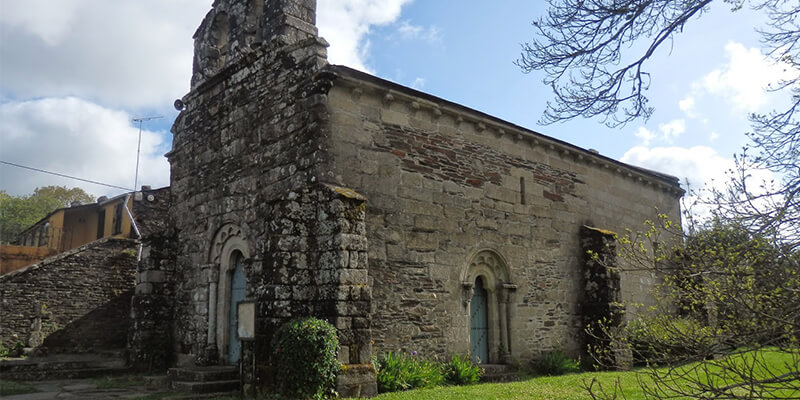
521	190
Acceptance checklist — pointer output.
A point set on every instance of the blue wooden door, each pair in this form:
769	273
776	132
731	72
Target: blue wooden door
479	326
238	282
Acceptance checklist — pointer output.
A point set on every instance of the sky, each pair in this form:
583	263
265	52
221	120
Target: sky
75	73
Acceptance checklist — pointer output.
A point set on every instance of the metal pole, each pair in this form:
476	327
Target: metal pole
138	151
139	147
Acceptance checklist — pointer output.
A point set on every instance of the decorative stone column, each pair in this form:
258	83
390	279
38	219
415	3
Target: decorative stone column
508	313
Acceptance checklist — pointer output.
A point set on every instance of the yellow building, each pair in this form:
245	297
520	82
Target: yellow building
68	228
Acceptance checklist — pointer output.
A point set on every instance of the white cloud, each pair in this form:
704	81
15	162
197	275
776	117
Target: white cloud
672	129
645	134
699	164
77	138
137	54
40	18
122	53
743	80
668	132
713	136
85	61
687	106
418	83
345	24
409	31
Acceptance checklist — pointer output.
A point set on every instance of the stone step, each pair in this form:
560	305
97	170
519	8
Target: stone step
498	373
206	387
156	381
72	373
199	396
203	374
67	366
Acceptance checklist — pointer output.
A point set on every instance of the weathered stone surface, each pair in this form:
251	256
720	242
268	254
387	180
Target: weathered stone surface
380	209
357	380
468	182
77	301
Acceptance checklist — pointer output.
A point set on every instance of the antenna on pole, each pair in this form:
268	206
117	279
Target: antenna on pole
139	146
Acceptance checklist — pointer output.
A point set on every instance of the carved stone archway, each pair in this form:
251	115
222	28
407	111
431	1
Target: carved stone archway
489	266
228	245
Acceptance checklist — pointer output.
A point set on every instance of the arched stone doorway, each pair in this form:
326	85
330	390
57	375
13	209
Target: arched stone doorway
488	292
229	254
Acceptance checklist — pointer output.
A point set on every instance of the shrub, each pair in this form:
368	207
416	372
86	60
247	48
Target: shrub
668	339
555	363
398	372
304	351
12	348
461	370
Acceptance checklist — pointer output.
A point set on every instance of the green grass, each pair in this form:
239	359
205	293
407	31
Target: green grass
573	386
8	388
566	387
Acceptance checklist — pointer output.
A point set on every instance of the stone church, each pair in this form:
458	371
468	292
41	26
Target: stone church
408	221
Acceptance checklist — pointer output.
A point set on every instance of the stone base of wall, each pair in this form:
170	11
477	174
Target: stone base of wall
357	380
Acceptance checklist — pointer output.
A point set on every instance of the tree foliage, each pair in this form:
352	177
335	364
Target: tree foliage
19	212
595	56
730	298
727	308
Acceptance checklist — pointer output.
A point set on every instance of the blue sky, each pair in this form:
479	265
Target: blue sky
73	74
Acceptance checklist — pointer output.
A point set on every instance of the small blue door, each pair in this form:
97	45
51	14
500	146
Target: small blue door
479	326
237	294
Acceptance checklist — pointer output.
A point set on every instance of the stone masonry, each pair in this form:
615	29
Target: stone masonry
446	184
384	210
246	164
77	301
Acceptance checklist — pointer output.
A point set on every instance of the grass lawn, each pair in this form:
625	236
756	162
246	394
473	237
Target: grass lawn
566	387
572	386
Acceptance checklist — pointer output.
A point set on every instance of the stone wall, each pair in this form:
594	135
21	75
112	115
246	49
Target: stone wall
152	306
446	183
246	169
76	301
246	141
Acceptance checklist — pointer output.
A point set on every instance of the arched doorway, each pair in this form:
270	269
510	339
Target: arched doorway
488	299
238	283
479	323
229	255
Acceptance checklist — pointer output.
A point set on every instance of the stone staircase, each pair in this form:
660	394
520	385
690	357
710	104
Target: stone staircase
204	380
499	373
64	366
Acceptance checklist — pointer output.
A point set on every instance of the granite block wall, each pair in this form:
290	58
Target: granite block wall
77	301
445	183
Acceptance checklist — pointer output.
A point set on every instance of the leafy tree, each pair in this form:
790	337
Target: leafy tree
730	299
591	54
19	212
728	308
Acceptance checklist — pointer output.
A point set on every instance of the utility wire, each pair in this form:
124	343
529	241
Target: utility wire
65	176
